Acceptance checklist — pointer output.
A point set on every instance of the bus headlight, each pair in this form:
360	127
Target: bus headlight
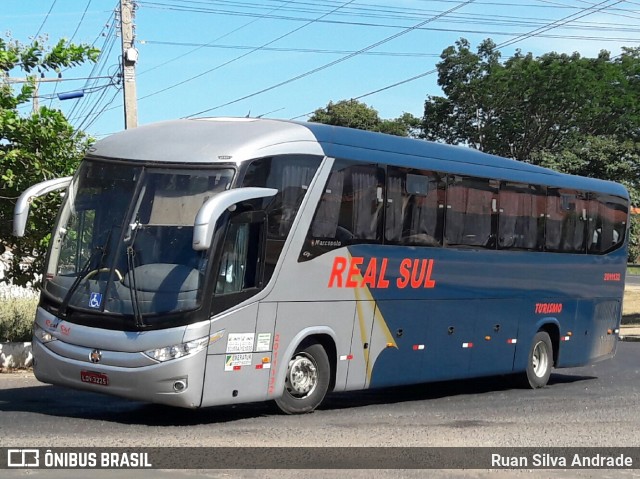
42	335
178	350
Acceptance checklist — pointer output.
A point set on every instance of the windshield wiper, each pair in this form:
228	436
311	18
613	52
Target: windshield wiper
131	263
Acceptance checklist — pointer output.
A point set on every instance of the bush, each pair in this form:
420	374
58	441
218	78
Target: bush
16	318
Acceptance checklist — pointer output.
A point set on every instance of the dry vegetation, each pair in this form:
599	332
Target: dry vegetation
631	306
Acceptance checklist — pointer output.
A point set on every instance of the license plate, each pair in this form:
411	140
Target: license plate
100	379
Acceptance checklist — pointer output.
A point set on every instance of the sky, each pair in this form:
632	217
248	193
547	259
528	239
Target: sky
287	58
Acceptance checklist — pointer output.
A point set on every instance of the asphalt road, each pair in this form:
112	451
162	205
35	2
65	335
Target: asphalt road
595	405
633	279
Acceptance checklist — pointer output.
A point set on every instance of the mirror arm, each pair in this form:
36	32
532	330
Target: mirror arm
21	210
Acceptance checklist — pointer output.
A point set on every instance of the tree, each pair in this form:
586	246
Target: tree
354	114
605	158
528	104
34	147
573	114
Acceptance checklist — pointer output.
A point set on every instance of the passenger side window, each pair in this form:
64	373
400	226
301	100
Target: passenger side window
472	212
566	221
415	207
522	214
291	175
350	210
607	223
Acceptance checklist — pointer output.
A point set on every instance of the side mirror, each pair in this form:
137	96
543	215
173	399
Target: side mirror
214	207
21	210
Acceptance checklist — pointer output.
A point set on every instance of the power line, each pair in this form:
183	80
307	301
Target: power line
320	19
340	60
551	25
84	106
253	10
243	55
91	90
212	41
80	22
45	19
561	22
289	50
55	87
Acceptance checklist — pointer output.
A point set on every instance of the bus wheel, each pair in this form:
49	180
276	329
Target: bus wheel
307	380
540	361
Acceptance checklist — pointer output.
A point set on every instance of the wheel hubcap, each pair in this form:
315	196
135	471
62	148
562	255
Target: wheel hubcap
302	376
540	359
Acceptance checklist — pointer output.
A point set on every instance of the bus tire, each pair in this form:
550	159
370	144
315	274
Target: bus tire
539	361
307	380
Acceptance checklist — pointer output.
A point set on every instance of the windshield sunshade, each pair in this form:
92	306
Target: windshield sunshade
124	240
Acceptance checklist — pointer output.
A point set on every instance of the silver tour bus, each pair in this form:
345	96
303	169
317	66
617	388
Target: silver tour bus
217	261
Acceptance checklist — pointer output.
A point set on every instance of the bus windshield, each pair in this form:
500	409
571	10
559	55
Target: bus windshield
123	243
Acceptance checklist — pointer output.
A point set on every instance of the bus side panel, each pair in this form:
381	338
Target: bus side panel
358	376
439	340
496	325
428	337
235	371
595	338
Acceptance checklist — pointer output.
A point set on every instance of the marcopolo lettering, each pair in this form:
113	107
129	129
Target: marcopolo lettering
412	273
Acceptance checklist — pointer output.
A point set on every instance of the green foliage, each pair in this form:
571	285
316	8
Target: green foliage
354	114
569	113
602	157
528	104
16	318
34	148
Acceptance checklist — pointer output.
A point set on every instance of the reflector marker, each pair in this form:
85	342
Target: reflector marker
512	341
467	345
348	357
263	366
565	338
237	368
418	347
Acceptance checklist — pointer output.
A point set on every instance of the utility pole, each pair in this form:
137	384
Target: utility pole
129	60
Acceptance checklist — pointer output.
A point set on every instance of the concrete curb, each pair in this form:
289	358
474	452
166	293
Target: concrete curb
15	355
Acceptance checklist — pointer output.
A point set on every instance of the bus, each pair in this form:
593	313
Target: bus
216	261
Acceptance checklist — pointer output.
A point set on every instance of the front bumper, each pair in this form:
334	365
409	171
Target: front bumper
152	383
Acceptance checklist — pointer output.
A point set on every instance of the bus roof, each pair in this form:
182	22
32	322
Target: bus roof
224	140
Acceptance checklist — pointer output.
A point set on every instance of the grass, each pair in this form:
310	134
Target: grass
634	270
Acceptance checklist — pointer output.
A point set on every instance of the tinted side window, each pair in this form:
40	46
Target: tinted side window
291	175
415	207
607	223
566	221
350	210
522	213
472	212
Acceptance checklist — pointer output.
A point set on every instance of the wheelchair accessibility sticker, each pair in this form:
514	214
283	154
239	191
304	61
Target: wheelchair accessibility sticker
95	300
